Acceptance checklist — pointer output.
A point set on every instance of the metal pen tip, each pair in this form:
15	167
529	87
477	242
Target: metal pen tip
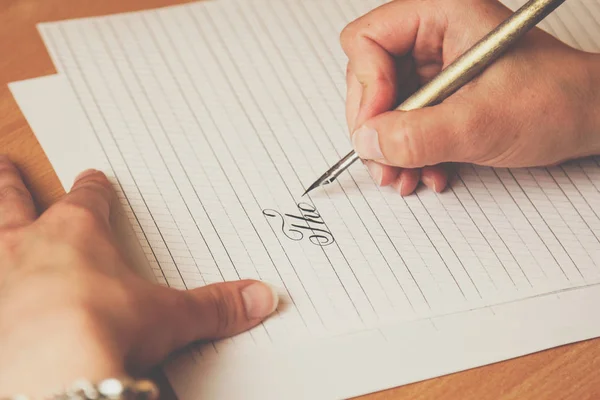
312	187
333	172
324	179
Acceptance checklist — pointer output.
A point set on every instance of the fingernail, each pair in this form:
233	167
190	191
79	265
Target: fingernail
260	300
430	183
85	173
366	144
376	171
397	185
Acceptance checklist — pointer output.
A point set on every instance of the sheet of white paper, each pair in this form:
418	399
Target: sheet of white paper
212	118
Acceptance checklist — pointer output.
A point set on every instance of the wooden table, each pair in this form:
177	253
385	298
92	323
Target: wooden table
569	372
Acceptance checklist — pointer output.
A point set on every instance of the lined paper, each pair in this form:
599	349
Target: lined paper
212	118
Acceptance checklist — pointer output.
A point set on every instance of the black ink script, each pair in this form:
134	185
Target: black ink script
307	223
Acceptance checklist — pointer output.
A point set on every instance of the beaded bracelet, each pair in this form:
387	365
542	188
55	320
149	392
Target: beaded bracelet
113	389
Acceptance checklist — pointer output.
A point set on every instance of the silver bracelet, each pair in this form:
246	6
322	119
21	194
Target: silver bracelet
108	389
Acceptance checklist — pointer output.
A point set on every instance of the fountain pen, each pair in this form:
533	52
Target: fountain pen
462	70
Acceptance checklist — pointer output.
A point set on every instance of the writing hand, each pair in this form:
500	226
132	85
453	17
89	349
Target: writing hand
538	105
71	307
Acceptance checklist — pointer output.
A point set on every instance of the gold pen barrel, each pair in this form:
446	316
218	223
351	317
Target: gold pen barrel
481	55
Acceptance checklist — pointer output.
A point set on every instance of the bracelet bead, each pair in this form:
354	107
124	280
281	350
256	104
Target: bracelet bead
108	389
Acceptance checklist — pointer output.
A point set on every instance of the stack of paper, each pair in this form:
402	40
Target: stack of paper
212	118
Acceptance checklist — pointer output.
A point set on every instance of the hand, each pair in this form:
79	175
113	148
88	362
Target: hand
537	105
71	307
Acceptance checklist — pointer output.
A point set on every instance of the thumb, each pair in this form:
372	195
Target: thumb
416	138
177	318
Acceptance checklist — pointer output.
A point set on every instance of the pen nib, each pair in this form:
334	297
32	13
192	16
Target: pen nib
333	172
323	180
311	188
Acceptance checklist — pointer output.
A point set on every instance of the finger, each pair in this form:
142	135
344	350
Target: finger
435	177
408	80
375	71
372	44
418	138
383	175
407	83
378	88
407	181
353	95
89	202
382	95
178	318
392	26
16	204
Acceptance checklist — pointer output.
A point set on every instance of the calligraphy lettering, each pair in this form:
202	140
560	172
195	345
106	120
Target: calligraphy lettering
308	223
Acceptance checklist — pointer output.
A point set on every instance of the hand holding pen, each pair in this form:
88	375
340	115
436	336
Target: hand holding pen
534	106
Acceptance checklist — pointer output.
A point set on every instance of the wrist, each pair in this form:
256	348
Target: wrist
46	354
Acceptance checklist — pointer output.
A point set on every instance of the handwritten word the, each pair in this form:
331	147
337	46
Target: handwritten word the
308	223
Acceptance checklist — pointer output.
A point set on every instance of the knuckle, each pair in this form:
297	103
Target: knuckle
94	176
224	309
405	149
9	245
96	182
11	192
414	152
381	79
77	215
349	34
99	185
6	166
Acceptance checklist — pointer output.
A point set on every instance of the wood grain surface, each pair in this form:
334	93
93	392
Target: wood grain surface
568	372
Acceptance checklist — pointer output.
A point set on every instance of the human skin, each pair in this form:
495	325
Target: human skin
72	308
537	105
